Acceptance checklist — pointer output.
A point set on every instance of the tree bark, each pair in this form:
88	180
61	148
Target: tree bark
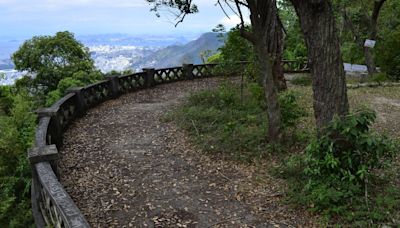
369	61
369	58
329	83
275	47
271	94
263	16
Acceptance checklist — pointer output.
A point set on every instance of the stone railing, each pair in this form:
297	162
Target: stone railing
51	204
295	66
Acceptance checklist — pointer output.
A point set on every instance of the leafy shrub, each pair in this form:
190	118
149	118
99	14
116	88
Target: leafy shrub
16	136
389	54
216	58
231	122
290	109
257	92
348	150
78	79
235	49
338	165
224	122
5	100
379	77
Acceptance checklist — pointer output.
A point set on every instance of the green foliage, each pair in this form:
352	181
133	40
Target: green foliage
78	79
232	120
52	58
352	52
5	100
16	136
222	121
115	72
378	77
235	49
348	150
58	62
295	47
303	80
337	168
182	7
216	58
357	28
290	110
389	54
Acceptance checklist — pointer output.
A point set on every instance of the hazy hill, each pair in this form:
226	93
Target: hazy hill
175	55
6	64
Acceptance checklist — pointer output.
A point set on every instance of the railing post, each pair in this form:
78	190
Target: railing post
149	78
44	154
188	71
56	128
47	153
80	104
35	199
113	86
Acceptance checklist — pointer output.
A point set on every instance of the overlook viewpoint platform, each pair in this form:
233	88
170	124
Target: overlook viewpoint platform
104	158
124	166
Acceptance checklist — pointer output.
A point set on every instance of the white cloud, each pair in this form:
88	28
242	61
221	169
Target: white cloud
233	20
35	5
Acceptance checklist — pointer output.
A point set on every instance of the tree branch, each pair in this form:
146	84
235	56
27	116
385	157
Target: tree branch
245	34
223	9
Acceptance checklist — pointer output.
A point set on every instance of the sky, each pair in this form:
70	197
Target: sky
25	18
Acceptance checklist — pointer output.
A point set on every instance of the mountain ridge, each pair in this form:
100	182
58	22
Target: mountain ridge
176	55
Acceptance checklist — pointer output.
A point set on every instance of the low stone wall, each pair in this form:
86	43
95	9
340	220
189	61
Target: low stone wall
51	204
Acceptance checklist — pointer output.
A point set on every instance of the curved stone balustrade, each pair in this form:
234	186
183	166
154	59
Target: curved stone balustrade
51	204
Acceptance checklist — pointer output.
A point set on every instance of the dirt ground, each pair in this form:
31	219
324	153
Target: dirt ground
125	167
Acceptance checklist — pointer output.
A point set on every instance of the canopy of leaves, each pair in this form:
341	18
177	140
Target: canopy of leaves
295	47
389	58
354	19
51	58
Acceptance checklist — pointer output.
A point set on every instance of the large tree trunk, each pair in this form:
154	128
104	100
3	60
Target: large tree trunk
263	16
270	89
329	84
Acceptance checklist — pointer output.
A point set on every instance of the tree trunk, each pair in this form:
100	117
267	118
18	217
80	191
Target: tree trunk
270	90
369	57
275	47
263	16
329	83
369	61
279	77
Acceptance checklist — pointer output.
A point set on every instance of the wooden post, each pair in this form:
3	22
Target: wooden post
188	71
149	78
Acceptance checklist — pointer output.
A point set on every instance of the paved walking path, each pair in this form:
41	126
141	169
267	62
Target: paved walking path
125	167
